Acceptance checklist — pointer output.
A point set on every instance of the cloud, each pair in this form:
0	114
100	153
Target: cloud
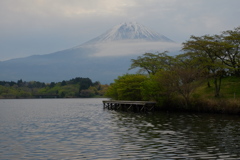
134	47
47	13
45	9
45	26
54	12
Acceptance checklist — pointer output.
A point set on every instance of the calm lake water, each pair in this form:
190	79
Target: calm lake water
82	129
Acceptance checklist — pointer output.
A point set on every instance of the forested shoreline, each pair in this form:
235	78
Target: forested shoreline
75	88
205	77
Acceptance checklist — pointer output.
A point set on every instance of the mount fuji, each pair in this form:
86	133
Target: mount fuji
129	31
103	58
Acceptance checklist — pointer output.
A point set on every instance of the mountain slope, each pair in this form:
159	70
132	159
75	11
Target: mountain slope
103	58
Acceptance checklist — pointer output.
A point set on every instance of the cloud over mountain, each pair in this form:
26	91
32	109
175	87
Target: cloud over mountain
102	59
130	38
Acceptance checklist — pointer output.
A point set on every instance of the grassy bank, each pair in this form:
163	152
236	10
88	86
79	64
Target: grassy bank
203	99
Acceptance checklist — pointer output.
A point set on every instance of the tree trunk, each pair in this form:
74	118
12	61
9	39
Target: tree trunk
217	83
208	84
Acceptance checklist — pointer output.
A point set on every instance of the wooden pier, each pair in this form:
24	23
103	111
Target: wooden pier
135	106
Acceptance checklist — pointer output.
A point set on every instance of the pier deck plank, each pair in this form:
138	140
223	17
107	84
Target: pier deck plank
129	105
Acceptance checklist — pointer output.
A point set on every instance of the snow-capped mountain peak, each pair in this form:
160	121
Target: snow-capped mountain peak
129	31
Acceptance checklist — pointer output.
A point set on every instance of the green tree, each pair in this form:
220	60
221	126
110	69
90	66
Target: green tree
127	87
151	63
152	89
19	83
52	84
87	93
63	83
205	49
229	41
103	89
62	94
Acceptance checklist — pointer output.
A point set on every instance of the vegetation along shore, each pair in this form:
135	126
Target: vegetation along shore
205	77
75	88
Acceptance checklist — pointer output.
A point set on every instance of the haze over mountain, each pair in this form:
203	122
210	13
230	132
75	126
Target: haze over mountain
103	58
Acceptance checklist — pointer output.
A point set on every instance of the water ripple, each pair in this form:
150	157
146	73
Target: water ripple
81	129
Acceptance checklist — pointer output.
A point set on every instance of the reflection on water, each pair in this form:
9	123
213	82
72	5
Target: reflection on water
81	129
175	135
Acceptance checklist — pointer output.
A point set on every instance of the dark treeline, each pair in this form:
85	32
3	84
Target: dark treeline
74	88
20	83
206	76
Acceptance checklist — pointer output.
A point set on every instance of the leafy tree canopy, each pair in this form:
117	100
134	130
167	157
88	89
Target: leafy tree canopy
151	63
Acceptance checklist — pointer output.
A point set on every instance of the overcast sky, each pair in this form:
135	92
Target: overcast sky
30	27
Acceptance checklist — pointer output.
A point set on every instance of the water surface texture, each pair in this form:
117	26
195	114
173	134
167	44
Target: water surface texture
82	129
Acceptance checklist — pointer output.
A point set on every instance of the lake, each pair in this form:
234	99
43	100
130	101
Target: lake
82	129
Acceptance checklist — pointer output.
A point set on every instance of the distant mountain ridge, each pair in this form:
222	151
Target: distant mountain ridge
103	58
129	31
